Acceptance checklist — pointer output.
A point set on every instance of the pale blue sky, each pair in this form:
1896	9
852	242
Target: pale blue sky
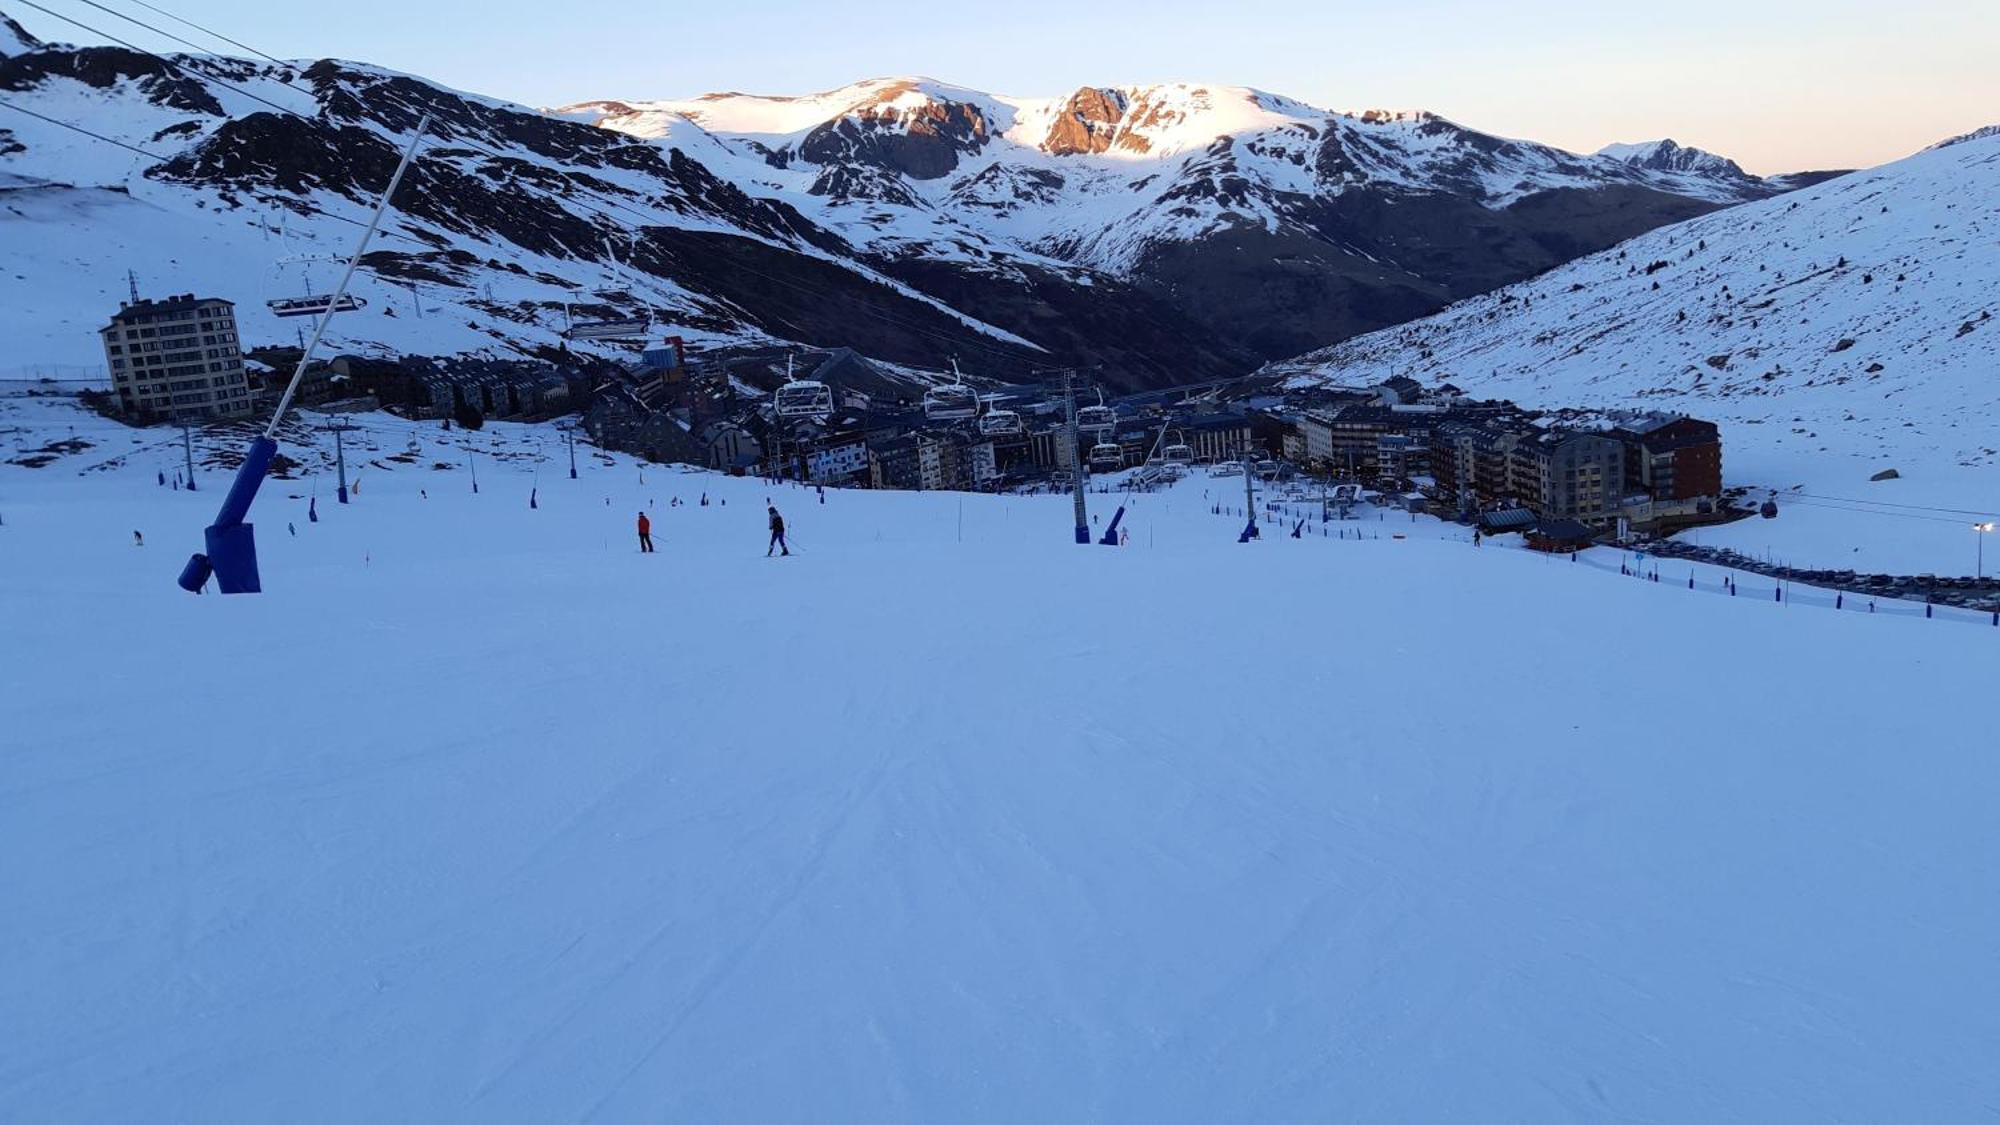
1776	84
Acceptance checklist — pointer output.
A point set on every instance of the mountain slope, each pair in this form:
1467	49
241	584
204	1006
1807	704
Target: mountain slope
1163	234
507	217
1273	223
1849	326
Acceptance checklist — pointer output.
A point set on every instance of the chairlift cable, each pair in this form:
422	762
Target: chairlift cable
81	129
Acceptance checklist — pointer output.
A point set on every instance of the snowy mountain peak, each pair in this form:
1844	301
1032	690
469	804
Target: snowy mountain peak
14	39
1667	156
1162	120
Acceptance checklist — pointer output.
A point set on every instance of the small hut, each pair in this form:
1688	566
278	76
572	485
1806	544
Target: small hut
1560	536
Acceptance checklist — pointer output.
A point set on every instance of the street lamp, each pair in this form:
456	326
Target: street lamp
1979	537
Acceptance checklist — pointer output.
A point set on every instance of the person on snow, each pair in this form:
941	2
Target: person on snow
777	534
645	535
138	540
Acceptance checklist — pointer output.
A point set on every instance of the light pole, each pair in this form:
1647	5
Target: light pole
1979	536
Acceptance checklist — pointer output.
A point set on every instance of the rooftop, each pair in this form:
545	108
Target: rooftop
179	302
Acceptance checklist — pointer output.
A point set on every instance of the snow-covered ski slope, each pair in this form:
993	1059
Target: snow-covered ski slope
480	815
1835	332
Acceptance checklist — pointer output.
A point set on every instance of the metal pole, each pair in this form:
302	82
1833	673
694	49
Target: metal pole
340	291
1070	440
472	462
571	435
187	444
340	463
1250	488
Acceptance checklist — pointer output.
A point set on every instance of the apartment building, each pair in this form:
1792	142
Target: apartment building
177	359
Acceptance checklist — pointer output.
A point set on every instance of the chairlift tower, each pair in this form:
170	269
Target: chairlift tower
187	447
1073	443
1249	497
340	459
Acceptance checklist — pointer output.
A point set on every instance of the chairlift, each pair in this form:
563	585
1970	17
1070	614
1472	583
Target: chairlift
613	328
802	398
623	328
1267	469
1107	455
1000	423
310	303
314	304
1178	453
1098	418
952	402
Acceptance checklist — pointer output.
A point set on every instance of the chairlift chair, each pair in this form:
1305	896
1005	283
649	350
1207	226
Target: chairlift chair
309	303
1107	455
952	402
999	423
314	304
802	398
1267	469
612	328
1096	418
623	328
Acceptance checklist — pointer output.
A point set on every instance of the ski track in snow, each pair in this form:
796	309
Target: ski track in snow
478	814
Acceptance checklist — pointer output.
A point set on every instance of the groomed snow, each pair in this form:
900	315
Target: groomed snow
480	815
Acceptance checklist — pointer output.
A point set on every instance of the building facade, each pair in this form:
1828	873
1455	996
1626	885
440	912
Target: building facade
1570	476
1672	457
177	359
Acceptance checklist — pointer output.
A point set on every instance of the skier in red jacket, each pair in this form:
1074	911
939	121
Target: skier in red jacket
645	534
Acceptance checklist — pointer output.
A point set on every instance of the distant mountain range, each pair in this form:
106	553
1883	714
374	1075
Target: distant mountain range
1167	233
1268	222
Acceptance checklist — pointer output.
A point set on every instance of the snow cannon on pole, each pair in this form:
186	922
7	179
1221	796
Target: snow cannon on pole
231	556
1110	538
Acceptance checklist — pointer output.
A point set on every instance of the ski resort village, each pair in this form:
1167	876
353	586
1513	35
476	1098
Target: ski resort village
906	603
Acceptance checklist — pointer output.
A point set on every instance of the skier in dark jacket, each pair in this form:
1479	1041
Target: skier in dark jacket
645	534
777	534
